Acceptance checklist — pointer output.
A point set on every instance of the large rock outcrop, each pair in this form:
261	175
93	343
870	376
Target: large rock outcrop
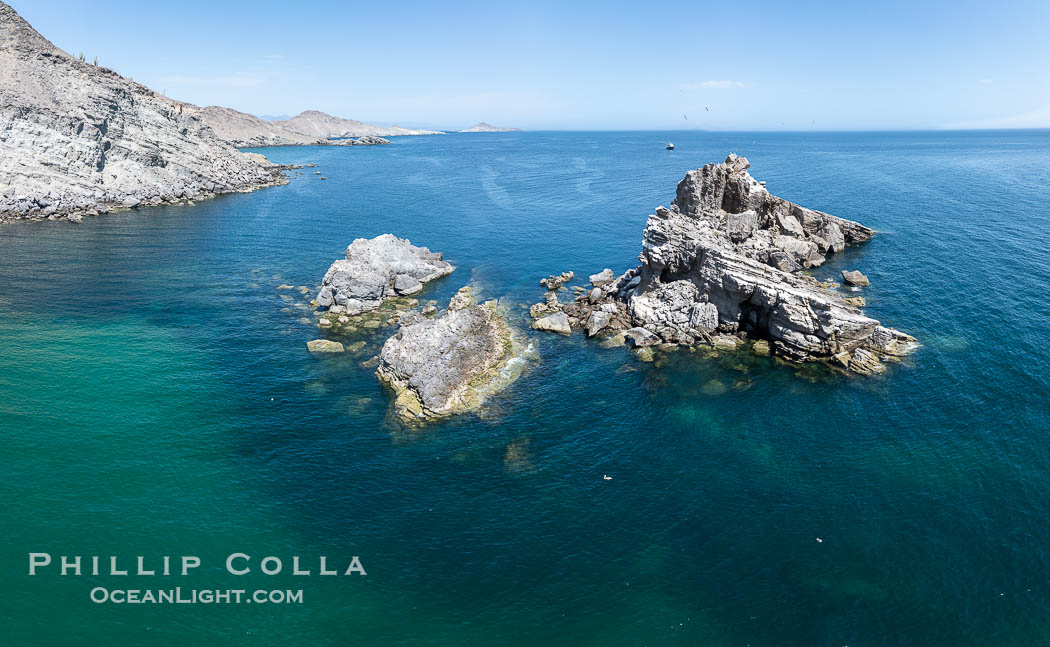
450	364
76	138
724	259
376	269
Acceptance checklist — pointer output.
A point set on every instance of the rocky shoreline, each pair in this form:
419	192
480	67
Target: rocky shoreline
78	139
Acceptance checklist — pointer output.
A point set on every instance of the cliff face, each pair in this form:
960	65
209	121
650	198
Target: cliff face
76	138
323	126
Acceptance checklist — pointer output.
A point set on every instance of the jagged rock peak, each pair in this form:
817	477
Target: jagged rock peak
725	260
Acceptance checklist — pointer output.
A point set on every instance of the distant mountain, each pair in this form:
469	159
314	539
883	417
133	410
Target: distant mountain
489	128
77	138
274	117
318	124
244	130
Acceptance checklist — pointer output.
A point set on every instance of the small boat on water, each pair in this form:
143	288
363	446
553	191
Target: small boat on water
670	146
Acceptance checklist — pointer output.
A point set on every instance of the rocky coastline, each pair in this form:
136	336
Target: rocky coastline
77	139
723	266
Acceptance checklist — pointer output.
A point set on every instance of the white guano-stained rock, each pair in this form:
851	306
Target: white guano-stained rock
376	269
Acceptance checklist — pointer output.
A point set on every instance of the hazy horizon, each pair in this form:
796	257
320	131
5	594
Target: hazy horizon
602	67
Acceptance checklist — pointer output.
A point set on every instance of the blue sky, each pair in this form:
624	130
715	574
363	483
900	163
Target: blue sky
583	65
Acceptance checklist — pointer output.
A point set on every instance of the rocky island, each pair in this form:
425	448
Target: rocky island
376	269
436	365
79	139
723	265
450	364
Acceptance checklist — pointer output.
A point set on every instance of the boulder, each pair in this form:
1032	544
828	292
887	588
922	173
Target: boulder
854	277
597	322
324	346
741	225
558	322
602	278
641	337
725	342
555	281
538	310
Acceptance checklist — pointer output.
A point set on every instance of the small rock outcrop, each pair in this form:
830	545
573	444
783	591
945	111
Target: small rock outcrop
557	322
377	269
446	365
79	139
723	264
324	346
854	277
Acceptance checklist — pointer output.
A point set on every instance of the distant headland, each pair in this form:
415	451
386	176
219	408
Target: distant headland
489	128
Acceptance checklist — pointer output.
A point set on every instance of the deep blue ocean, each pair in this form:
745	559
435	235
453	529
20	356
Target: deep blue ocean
157	398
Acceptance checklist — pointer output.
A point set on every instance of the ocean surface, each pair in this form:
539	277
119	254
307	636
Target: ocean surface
157	398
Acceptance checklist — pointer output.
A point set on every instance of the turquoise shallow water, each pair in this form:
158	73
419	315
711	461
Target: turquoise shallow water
157	398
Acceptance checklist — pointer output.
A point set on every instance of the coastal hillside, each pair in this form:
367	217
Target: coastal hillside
489	128
323	126
244	130
76	138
